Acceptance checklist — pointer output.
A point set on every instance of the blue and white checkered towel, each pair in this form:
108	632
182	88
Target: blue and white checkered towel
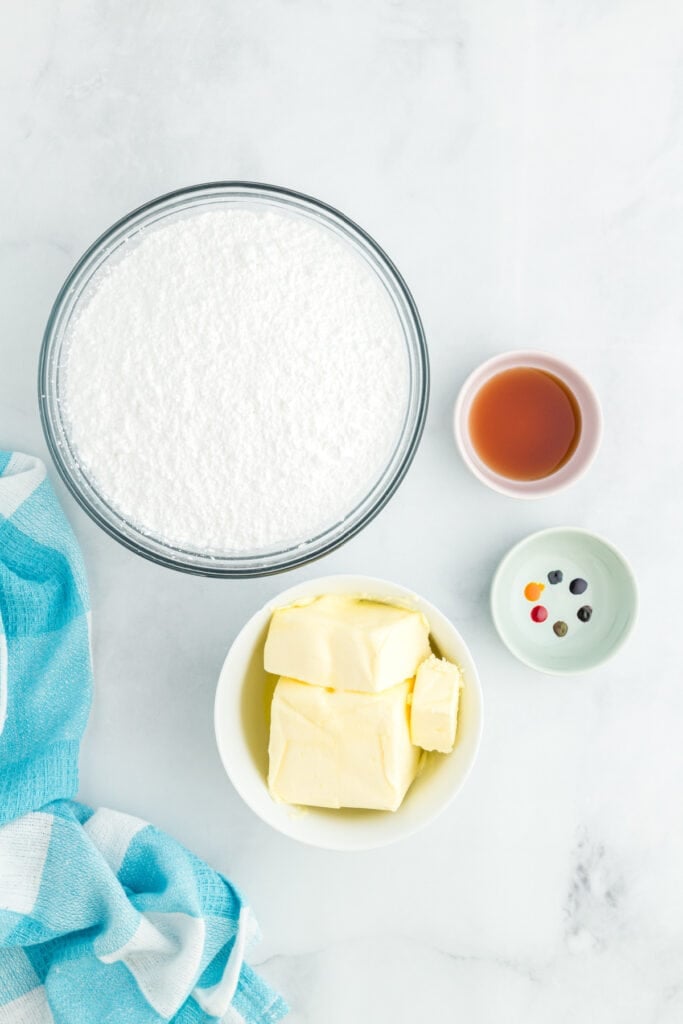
103	919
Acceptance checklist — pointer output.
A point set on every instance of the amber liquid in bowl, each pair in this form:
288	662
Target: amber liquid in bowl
525	423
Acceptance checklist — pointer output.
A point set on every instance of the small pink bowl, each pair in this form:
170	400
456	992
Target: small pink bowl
591	424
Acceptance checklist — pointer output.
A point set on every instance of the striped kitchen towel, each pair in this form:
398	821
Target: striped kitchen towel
103	918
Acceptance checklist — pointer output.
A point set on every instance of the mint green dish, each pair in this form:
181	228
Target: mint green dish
611	595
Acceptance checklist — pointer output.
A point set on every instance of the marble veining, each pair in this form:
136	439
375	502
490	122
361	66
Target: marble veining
594	899
522	162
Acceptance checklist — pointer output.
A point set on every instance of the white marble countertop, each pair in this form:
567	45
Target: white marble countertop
523	164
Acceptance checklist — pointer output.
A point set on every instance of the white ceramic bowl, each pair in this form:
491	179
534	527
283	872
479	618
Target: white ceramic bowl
612	594
242	711
591	424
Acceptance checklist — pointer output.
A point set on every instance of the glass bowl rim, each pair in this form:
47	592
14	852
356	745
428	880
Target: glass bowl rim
206	564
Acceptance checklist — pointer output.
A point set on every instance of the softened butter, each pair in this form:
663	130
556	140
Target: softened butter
434	709
347	643
336	748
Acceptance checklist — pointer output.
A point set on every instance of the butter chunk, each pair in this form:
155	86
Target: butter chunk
346	643
434	710
333	748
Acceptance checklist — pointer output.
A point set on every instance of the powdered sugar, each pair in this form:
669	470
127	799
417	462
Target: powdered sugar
236	380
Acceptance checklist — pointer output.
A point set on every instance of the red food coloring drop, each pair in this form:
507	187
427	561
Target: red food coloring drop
539	613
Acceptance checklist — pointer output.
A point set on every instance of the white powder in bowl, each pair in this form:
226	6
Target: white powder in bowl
235	380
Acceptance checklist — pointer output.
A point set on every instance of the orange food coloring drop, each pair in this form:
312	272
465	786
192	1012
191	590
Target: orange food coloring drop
533	591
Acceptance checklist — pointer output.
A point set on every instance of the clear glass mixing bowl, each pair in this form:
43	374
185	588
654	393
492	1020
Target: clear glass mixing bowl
51	381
